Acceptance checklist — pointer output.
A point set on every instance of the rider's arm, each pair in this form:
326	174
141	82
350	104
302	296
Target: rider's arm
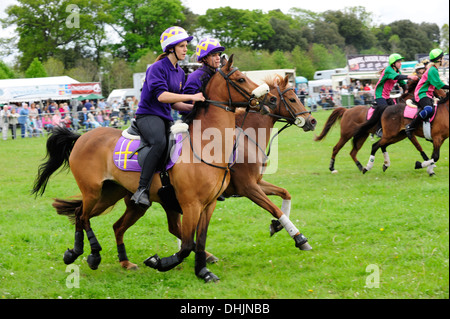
169	97
183	107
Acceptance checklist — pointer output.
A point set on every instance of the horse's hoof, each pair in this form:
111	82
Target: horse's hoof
207	276
153	262
335	171
418	165
385	168
275	227
211	259
94	260
305	247
128	265
364	170
70	256
301	242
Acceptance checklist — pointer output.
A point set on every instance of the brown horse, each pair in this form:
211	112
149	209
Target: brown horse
394	123
254	130
350	120
354	123
196	183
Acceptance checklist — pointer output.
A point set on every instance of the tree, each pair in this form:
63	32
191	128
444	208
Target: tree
302	63
444	38
284	38
5	71
35	70
53	67
139	23
236	27
46	27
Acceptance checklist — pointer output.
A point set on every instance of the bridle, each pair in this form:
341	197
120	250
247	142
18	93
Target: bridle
230	106
293	119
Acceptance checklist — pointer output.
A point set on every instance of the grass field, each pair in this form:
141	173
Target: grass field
392	226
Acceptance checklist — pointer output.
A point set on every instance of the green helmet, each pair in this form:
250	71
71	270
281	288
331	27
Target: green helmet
436	54
394	57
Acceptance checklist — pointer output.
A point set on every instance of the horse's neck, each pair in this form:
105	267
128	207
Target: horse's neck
258	121
214	128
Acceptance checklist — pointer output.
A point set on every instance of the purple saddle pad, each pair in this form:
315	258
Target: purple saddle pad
125	147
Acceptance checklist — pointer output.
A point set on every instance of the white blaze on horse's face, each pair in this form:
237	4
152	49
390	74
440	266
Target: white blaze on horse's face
300	121
261	90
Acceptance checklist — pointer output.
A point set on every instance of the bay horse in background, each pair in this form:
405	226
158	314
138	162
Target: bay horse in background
394	123
247	174
351	121
102	184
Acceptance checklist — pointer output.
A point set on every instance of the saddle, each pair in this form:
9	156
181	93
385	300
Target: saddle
136	150
412	109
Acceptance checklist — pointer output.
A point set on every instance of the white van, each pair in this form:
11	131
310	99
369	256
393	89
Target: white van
120	95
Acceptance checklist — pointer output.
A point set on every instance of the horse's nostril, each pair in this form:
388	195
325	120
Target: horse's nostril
273	99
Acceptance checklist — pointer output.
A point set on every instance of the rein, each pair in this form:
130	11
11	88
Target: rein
230	106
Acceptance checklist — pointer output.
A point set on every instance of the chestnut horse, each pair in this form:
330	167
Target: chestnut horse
354	121
394	123
247	174
196	183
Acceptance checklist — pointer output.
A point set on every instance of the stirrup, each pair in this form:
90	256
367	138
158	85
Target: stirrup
141	197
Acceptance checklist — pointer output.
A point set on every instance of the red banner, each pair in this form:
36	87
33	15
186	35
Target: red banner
86	88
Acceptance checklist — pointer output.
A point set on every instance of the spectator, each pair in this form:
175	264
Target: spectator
88	105
102	104
47	122
84	118
67	122
13	118
4	120
23	116
56	119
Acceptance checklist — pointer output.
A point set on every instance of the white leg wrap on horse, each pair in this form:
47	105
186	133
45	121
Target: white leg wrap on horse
430	169
370	163
288	225
387	161
286	207
427	163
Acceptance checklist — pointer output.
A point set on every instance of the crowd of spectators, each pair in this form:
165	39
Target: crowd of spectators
362	94
38	119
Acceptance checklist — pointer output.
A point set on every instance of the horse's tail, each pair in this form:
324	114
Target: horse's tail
59	146
365	127
335	115
69	208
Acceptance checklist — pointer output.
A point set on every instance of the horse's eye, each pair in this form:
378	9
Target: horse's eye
292	100
241	80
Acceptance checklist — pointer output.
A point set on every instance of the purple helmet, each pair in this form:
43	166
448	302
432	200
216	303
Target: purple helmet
172	36
208	46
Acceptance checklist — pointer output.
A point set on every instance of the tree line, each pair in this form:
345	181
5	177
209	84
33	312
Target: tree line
109	40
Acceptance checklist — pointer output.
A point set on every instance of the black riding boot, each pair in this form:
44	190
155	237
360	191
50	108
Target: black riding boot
141	196
412	126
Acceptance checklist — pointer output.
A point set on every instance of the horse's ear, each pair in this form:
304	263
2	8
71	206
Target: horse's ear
229	63
275	81
223	60
286	80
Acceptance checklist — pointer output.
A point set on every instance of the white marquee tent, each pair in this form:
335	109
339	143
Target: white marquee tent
36	89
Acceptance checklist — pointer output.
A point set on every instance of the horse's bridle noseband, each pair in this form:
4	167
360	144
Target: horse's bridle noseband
294	116
230	106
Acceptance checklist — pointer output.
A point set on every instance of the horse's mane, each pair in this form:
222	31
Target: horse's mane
444	99
270	81
198	106
411	86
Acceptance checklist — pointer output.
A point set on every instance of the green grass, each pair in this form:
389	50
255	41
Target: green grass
397	220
